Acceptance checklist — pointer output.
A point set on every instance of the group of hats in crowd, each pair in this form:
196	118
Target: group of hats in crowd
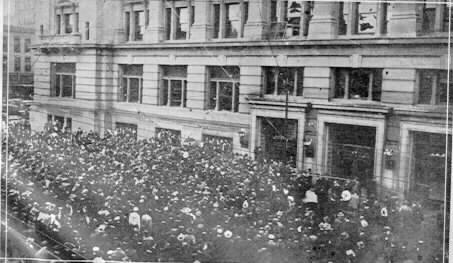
119	198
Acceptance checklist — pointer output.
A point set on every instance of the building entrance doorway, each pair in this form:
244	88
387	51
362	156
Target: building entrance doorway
351	153
428	165
274	137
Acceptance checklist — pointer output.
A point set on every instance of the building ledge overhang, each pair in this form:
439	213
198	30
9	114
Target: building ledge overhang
306	104
71	41
439	112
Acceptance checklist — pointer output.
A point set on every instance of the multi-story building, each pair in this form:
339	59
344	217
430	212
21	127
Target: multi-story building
18	35
354	89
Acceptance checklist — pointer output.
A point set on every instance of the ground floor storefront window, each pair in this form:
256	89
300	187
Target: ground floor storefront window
350	153
431	165
279	141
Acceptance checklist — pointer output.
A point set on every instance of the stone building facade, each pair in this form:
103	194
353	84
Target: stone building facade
366	82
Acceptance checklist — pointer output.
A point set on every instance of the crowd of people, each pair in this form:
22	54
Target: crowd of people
119	198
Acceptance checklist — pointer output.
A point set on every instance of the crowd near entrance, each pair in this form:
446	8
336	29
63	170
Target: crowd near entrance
350	153
428	165
276	138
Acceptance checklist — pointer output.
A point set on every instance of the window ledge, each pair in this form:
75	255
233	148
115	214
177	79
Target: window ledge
60	39
355	101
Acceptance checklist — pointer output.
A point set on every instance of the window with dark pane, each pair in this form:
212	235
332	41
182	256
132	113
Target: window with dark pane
216	18
131	83
425	88
27	44
58	24
17	45
182	22
69	26
429	17
59	120
17	64
212	95
127	19
139	25
342	19
223	88
174	88
280	80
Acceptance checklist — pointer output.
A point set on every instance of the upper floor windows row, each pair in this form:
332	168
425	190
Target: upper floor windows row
222	87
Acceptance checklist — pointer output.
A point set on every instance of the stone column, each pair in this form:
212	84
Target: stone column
324	23
403	21
255	28
155	31
202	28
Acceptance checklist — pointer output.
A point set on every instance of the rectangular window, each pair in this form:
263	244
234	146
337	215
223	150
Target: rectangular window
63	80
216	12
366	18
27	64
290	18
362	17
59	122
5	44
342	19
233	20
131	89
279	80
17	64
224	144
58	24
139	25
179	18
173	91
68	126
446	18
68	22
433	87
127	20
182	22
17	48
223	93
27	44
429	17
363	84
87	30
129	127
169	135
229	19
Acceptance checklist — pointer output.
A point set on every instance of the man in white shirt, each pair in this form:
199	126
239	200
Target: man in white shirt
134	218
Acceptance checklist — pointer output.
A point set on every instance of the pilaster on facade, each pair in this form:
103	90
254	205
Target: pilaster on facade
155	31
404	20
151	80
256	26
251	83
202	29
196	87
324	23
